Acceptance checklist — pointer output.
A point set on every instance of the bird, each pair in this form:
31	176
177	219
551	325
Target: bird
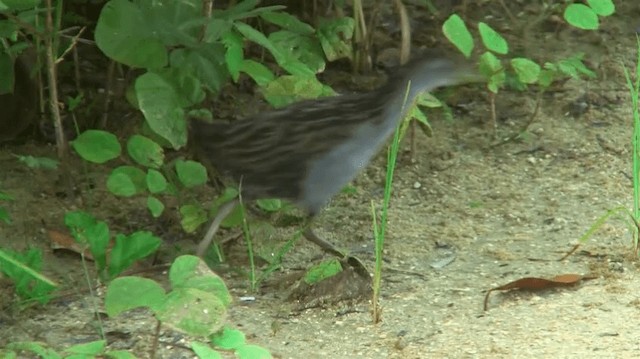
308	151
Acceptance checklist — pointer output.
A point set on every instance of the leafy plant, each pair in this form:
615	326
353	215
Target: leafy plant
194	290
127	249
23	269
523	71
187	53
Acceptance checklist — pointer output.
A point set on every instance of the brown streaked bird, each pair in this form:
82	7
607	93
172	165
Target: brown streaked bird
308	151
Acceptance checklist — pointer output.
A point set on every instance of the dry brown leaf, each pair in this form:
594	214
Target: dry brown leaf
65	241
533	283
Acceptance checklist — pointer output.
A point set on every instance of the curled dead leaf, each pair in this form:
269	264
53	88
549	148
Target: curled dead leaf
533	283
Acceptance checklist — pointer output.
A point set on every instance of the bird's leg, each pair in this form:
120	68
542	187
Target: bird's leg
328	247
223	212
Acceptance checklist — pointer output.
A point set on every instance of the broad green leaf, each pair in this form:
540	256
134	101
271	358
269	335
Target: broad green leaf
527	70
304	48
288	21
97	146
252	351
155	206
234	55
192	311
491	67
289	89
191	217
270	205
126	181
257	71
602	7
17	5
205	62
161	108
581	16
335	37
127	293
229	339
156	182
322	271
128	249
123	34
191	272
145	151
191	173
492	39
204	351
39	162
92	348
457	33
287	62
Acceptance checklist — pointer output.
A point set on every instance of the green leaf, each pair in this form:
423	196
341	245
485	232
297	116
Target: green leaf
192	272
257	71
34	347
491	67
156	182
91	348
124	34
288	21
335	37
322	271
203	351
160	105
192	217
527	70
229	339
128	249
97	146
155	206
581	16
304	48
23	269
98	236
145	151
126	181
288	63
205	62
191	173
234	54
270	205
39	162
602	7
493	40
289	89
18	5
251	351
457	33
192	311
127	293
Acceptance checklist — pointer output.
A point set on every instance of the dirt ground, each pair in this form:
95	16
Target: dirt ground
499	213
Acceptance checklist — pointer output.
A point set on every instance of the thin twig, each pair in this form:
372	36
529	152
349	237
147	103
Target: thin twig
53	83
72	45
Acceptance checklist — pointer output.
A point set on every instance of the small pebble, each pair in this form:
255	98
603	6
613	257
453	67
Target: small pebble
417	184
